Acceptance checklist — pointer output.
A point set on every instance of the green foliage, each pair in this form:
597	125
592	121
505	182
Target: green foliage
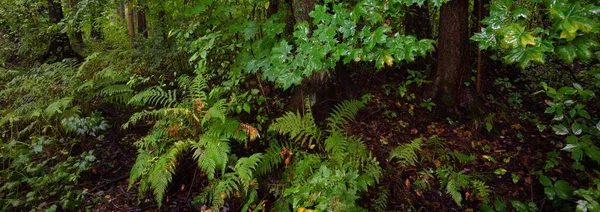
520	31
345	167
454	182
193	122
40	125
407	153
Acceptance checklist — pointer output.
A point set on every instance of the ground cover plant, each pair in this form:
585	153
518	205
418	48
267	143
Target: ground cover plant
299	105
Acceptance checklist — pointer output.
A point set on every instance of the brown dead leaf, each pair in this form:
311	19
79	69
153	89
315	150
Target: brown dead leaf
407	183
528	180
414	131
437	163
288	160
418	192
467	195
516	126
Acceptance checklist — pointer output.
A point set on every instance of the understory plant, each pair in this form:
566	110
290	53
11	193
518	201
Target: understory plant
191	120
41	133
325	169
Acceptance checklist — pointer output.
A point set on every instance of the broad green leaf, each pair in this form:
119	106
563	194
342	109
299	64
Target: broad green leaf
569	147
515	36
550	192
563	190
576	128
545	181
560	129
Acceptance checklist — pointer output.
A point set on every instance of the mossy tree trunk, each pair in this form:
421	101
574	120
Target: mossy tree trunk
453	53
60	45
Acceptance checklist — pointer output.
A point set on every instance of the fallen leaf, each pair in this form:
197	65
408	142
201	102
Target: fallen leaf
437	163
407	183
516	126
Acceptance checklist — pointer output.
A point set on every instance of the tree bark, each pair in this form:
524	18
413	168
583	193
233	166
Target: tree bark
453	53
96	31
121	10
417	21
141	15
301	10
130	21
323	88
60	45
77	33
273	8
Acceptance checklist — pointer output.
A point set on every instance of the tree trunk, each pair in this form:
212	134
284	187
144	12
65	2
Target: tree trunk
60	45
162	19
301	10
121	10
273	8
77	34
96	31
321	89
141	15
130	21
453	53
417	21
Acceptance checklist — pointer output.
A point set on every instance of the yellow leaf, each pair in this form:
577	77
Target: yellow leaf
389	60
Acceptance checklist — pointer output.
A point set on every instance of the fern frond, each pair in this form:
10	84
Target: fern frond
146	115
271	159
343	113
57	106
299	128
229	129
211	153
112	90
335	143
407	153
480	189
142	162
452	189
382	200
216	111
154	97
162	171
244	169
198	87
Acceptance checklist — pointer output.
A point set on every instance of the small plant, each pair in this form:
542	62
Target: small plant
325	169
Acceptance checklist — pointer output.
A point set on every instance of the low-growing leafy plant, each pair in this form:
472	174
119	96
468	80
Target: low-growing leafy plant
325	169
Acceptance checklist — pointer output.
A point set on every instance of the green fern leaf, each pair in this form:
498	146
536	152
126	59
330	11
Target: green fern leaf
343	113
407	153
299	128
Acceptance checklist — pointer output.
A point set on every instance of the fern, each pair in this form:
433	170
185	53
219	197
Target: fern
154	97
299	128
407	153
271	158
453	182
211	153
343	113
244	169
346	165
382	199
57	106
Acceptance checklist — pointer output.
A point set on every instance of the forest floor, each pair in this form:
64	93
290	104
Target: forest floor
505	157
